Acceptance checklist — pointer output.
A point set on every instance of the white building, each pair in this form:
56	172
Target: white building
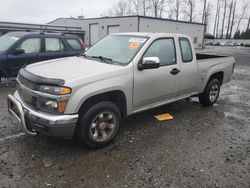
97	28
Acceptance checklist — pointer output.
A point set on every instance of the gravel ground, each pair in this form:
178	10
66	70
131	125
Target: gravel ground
200	147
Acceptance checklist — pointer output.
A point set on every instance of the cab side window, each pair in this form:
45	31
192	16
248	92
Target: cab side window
32	45
164	49
75	44
186	50
53	45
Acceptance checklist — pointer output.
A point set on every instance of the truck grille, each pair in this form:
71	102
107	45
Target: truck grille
26	83
25	95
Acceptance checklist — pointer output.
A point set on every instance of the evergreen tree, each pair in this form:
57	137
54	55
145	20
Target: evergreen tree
237	34
245	34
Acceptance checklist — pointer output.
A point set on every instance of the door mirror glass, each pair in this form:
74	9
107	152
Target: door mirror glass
18	52
149	63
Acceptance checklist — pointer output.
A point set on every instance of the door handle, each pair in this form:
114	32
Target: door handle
174	71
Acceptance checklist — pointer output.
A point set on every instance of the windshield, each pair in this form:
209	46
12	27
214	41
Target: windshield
119	49
6	41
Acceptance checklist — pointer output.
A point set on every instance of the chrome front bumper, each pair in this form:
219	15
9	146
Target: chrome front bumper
33	121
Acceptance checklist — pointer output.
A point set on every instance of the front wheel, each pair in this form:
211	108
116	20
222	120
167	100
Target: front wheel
99	125
210	93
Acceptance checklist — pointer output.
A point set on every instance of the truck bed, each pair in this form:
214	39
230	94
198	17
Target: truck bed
200	56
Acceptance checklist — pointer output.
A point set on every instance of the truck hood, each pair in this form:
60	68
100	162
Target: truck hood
71	68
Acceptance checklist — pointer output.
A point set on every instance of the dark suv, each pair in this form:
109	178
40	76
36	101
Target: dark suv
20	48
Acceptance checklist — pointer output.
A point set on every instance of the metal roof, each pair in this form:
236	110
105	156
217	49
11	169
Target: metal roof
132	16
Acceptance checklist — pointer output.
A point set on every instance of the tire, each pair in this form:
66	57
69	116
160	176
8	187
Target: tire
210	93
99	125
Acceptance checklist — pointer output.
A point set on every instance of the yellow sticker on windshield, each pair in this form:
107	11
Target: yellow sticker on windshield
134	45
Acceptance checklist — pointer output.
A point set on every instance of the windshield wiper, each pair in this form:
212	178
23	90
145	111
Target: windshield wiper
84	55
104	59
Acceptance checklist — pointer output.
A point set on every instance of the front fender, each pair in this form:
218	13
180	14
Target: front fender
122	83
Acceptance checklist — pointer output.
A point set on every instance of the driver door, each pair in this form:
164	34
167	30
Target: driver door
155	86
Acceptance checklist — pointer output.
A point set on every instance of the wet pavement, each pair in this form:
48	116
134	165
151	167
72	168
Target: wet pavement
200	147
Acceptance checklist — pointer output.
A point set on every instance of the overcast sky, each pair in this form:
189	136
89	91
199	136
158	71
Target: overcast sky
44	11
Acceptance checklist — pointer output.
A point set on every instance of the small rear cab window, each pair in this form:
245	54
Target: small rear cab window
186	50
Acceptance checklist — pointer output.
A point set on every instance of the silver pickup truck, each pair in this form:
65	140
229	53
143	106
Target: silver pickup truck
125	73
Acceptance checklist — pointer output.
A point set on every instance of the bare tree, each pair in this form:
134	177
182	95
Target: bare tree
242	15
206	15
191	7
177	8
223	19
129	7
204	11
216	16
229	18
158	6
121	8
248	23
162	7
145	7
139	7
136	6
218	23
232	22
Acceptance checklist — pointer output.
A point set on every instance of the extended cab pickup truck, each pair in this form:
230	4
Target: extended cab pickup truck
125	73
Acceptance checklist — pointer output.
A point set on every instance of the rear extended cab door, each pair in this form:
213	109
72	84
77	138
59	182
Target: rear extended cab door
32	46
188	76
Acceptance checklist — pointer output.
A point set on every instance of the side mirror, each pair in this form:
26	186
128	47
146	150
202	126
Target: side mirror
18	52
149	63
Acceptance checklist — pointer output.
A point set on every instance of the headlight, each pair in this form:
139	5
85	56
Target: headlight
56	103
54	90
51	105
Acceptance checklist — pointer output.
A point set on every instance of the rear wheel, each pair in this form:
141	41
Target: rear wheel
99	125
210	93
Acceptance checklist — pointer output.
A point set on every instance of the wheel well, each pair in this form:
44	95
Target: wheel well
117	97
219	76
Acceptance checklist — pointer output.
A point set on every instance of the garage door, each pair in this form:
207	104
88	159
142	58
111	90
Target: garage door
94	33
113	29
